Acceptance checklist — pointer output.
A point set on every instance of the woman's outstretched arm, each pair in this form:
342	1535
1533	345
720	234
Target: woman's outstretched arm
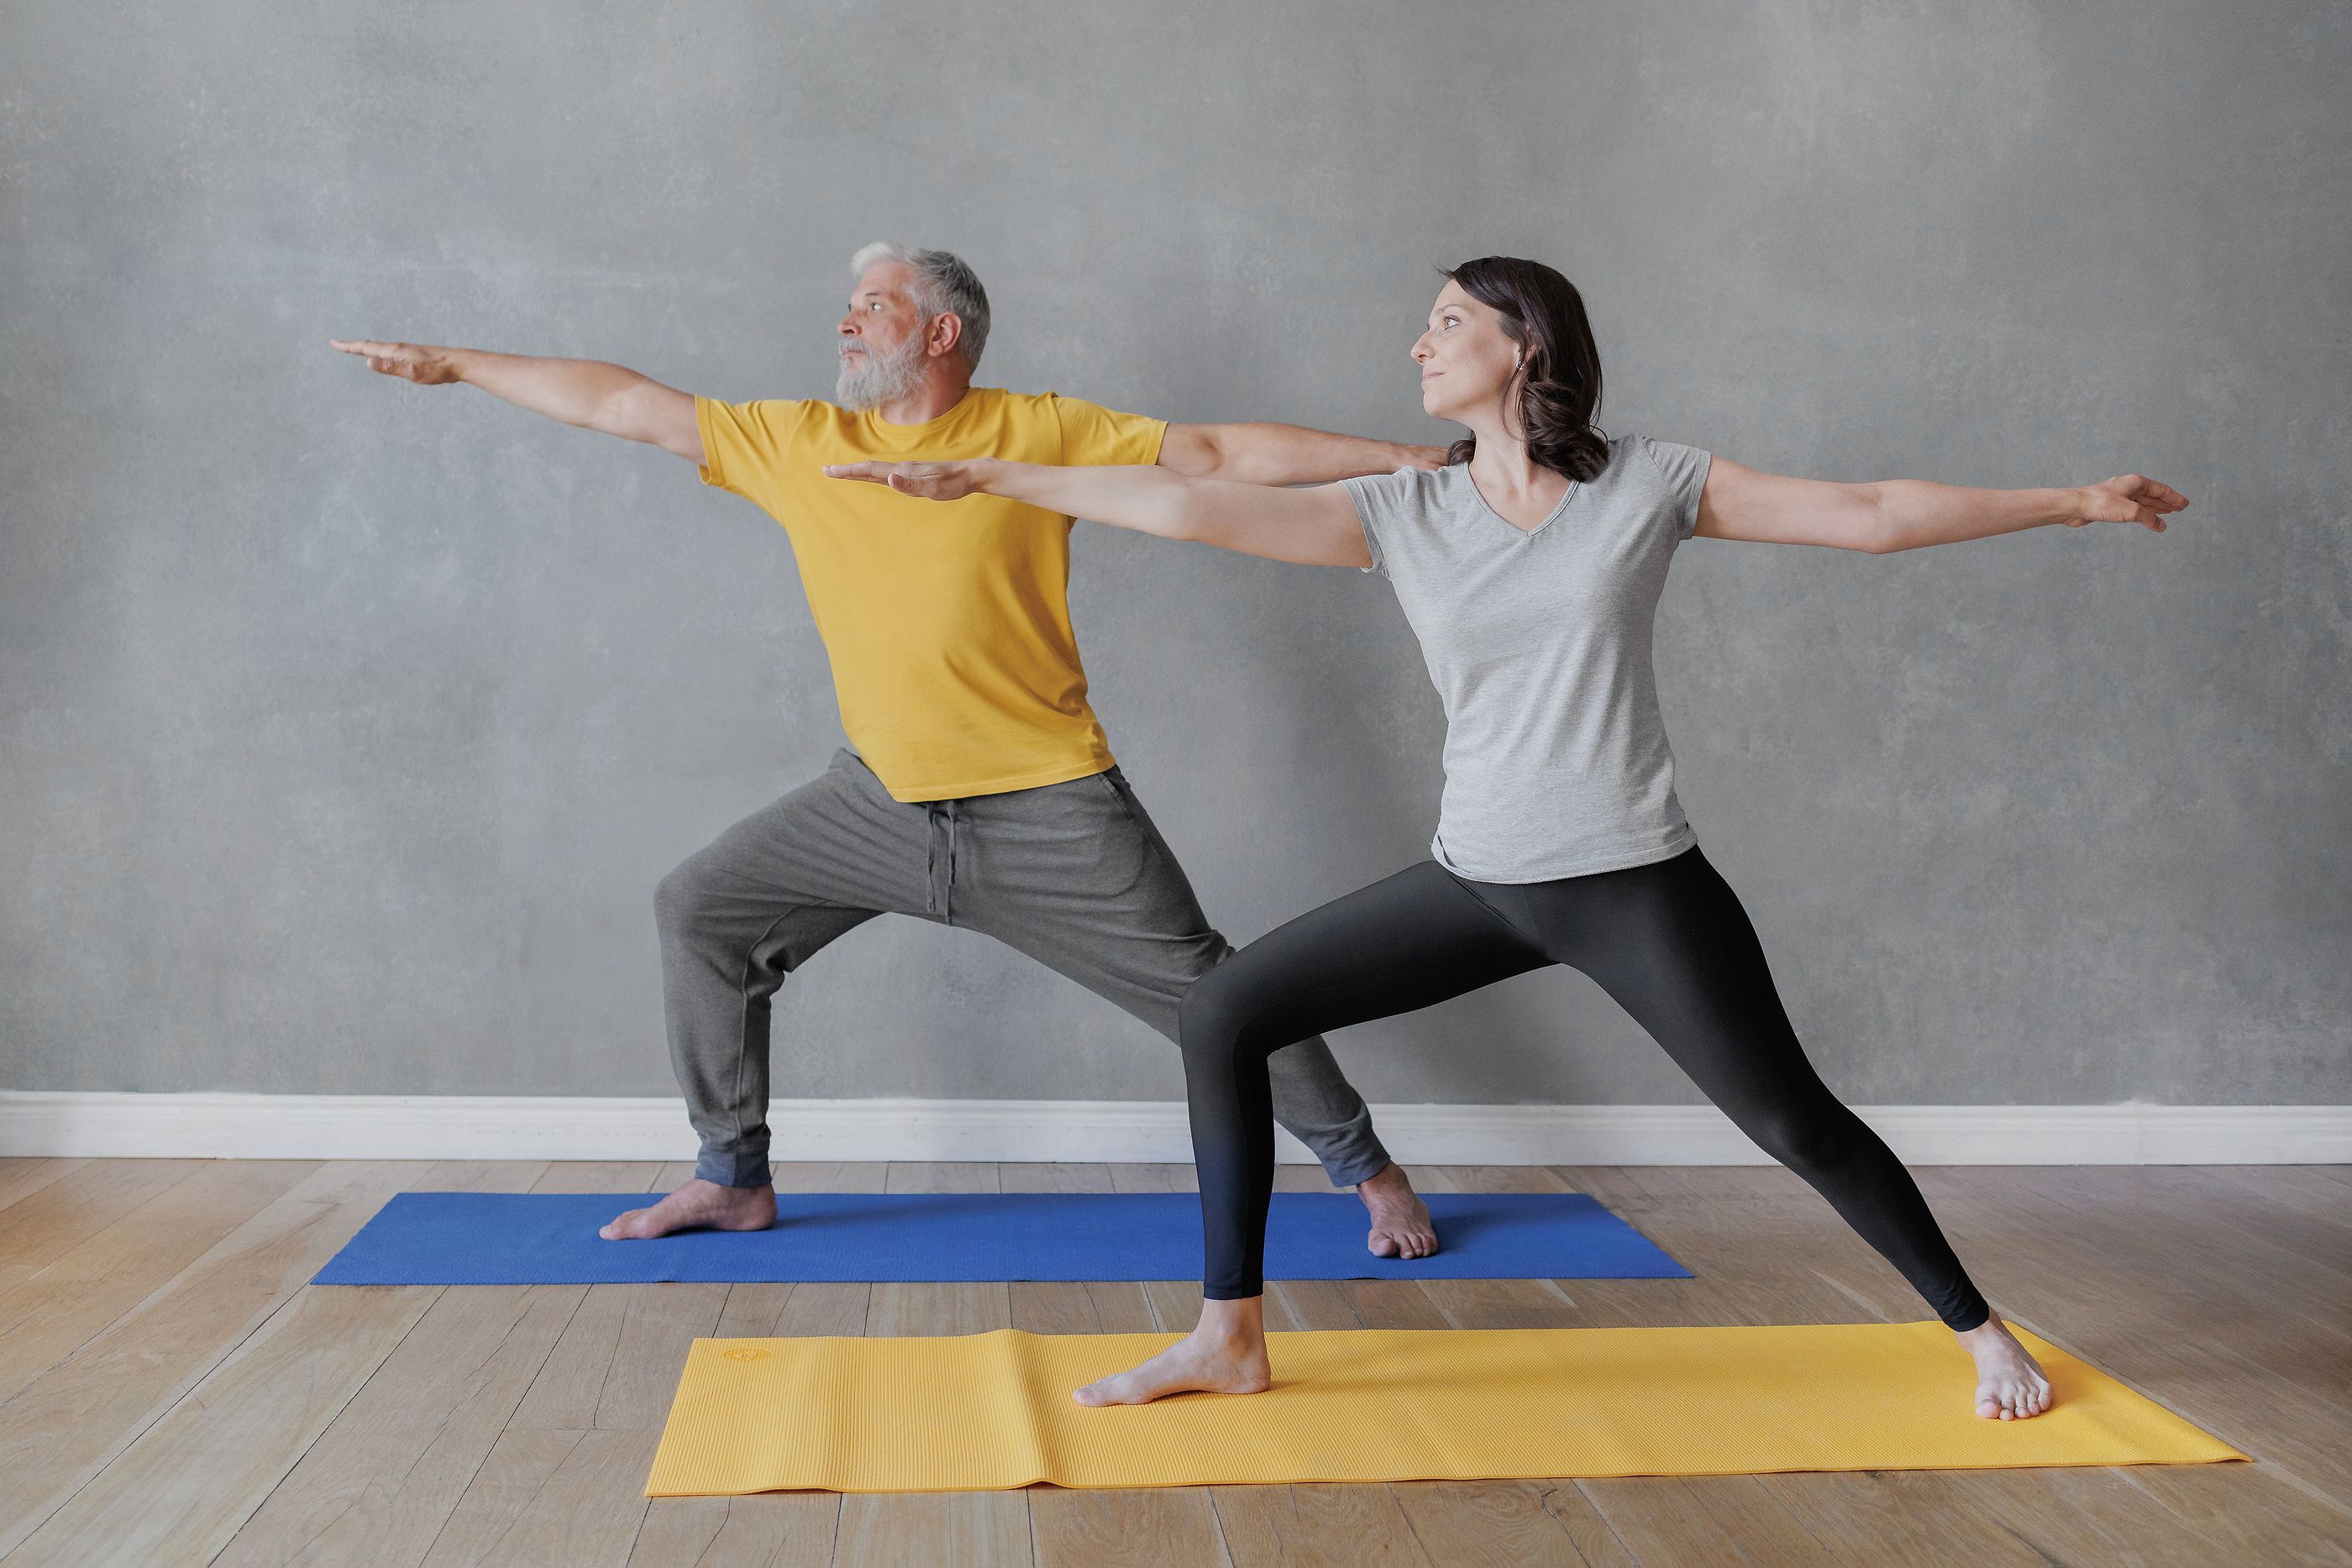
1742	503
1314	527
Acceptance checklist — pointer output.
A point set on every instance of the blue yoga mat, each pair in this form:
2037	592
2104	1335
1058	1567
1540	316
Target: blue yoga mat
550	1239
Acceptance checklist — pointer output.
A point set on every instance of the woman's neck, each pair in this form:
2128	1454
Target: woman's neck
1502	466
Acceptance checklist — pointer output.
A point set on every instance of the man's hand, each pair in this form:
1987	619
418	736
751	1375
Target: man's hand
419	362
931	481
1420	457
2128	498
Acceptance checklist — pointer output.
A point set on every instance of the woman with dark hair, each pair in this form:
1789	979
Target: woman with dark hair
1531	569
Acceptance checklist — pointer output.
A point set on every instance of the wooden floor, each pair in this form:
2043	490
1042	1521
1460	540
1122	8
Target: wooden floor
175	1393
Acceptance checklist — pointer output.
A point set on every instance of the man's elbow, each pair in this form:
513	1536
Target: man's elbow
1195	450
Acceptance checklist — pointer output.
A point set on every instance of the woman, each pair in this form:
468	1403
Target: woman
1531	569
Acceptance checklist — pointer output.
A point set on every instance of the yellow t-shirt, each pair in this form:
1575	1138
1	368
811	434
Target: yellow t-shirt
948	624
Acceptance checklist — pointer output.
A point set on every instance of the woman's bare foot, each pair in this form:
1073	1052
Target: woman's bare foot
2011	1385
1225	1354
1401	1222
697	1206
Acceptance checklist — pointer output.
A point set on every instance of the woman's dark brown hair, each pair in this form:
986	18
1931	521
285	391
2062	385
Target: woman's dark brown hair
1559	376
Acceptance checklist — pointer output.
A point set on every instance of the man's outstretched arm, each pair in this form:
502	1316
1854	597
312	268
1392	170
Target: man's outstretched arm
1284	454
589	394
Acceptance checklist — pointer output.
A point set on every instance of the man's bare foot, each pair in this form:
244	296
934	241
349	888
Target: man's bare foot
1401	1222
697	1206
2011	1385
1225	1354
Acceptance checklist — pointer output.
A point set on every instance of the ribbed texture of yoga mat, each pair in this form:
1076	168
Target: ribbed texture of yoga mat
982	1412
529	1239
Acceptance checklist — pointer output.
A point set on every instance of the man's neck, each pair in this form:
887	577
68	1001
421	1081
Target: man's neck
927	402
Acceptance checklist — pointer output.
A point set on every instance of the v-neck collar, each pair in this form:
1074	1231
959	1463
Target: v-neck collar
1487	506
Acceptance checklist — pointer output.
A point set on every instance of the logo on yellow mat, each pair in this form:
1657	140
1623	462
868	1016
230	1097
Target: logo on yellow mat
745	1353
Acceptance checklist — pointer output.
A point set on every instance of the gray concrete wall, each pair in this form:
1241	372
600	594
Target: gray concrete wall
345	727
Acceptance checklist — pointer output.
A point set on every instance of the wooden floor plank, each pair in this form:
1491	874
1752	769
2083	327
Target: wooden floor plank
185	1485
1902	1516
1700	1519
835	1176
1153	1178
1477	1524
379	1485
47	1317
968	1306
21	1177
1313	1526
941	1175
983	1528
1153	1527
509	1478
2249	1513
59	1216
2308	1190
599	1175
779	1530
61	1430
1045	1177
588	1511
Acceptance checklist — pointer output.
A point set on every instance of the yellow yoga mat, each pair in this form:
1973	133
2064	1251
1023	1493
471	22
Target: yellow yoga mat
982	1412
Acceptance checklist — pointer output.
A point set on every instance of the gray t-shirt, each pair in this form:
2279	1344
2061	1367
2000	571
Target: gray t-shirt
1539	643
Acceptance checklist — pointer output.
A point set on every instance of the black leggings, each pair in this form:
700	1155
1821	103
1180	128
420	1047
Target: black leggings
1668	940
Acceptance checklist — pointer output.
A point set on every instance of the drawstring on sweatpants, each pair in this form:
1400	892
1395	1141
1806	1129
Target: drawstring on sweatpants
939	896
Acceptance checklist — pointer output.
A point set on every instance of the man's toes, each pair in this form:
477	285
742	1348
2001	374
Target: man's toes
1383	1245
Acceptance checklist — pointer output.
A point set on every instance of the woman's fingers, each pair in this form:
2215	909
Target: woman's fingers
931	481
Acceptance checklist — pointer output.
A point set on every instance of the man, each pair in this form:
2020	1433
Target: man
983	792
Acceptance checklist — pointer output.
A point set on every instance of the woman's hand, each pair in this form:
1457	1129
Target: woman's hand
931	481
2128	498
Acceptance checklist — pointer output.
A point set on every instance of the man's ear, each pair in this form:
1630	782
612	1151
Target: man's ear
947	331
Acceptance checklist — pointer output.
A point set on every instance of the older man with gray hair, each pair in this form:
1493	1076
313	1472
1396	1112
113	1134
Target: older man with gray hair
981	791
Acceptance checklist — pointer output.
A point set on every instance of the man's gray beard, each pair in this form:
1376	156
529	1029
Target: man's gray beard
885	377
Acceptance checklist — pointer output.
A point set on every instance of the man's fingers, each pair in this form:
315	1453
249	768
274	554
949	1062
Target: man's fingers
871	472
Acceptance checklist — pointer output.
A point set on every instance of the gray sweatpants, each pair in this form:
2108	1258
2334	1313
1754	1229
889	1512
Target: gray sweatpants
1074	875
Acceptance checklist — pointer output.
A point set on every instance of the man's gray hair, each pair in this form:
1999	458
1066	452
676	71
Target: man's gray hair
943	285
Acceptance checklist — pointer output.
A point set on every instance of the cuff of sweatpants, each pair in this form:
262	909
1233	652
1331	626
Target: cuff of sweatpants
734	1170
1356	1157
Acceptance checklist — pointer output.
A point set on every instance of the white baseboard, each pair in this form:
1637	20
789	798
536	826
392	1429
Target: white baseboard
478	1127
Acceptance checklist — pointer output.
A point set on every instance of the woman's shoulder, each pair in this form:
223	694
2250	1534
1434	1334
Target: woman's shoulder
1410	489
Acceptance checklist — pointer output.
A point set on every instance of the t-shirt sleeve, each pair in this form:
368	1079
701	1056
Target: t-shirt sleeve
1381	502
1684	468
746	444
1093	435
